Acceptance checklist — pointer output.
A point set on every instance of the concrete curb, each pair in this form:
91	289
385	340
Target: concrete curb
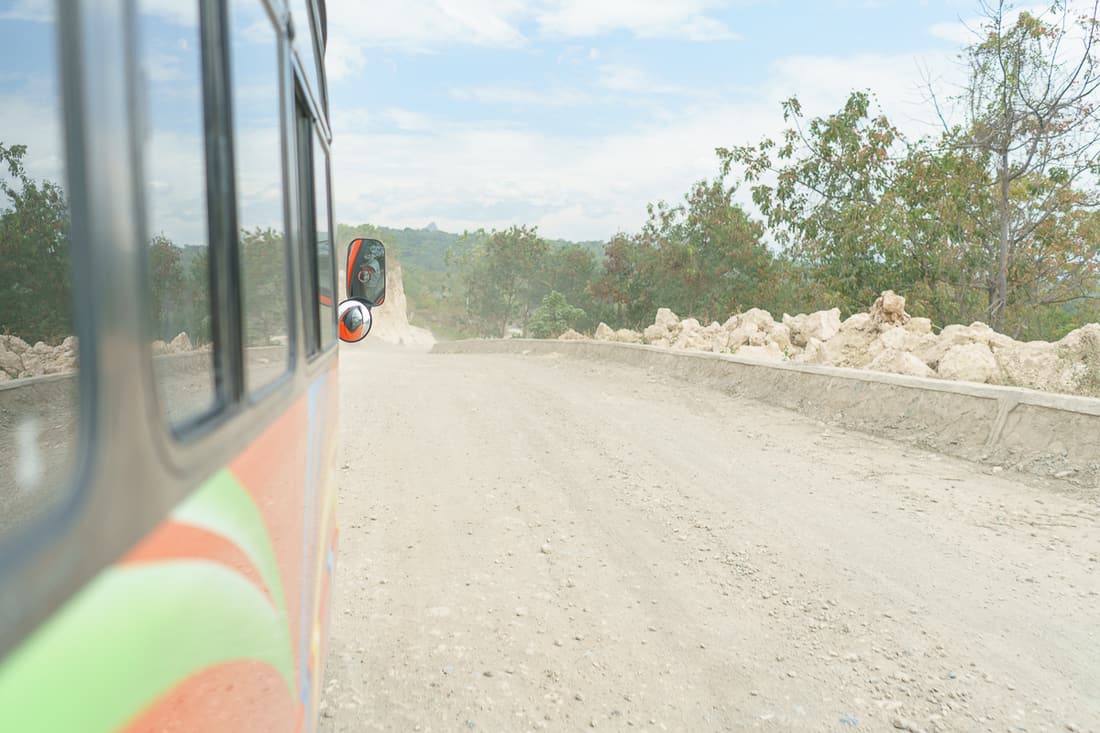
1044	434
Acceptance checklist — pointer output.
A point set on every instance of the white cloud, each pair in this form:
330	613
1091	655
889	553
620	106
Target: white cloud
684	19
431	24
580	187
520	96
625	78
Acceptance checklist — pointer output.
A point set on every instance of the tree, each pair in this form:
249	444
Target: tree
625	284
500	276
166	285
823	191
1031	107
264	285
554	317
710	255
35	260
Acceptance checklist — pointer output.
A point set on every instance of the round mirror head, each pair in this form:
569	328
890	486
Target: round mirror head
355	321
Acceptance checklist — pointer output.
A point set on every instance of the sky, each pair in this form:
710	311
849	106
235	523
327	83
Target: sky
569	115
572	115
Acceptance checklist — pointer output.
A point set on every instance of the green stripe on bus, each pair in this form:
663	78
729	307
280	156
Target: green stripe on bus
223	506
131	636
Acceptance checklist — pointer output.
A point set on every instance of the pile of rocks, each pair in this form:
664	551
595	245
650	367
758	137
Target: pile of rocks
178	345
885	339
19	360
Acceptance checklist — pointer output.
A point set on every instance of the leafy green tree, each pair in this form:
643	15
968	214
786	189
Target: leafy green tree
35	259
1031	111
554	317
166	287
500	276
823	190
625	284
264	285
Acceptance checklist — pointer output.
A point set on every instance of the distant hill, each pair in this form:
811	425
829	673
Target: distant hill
424	250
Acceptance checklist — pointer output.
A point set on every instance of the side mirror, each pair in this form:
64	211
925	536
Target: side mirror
355	320
367	271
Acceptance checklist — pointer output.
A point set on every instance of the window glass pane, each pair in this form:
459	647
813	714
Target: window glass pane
304	42
326	289
258	149
175	197
39	397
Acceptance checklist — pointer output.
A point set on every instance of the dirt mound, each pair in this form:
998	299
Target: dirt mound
886	339
391	319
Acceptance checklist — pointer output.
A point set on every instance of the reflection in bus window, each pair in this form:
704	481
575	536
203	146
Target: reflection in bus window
323	223
303	41
39	399
175	198
259	179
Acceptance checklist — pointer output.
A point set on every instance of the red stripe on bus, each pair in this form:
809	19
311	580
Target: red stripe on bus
177	541
226	698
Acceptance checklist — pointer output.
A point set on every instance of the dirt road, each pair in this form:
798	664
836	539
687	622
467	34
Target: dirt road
538	543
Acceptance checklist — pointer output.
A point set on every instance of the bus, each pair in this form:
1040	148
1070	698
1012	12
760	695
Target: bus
169	333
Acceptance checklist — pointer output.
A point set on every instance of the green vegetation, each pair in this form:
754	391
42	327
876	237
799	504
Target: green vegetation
996	218
35	262
554	317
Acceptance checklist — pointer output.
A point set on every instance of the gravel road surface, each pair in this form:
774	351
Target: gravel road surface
536	543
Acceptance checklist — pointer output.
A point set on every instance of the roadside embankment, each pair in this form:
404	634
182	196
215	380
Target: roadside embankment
1050	435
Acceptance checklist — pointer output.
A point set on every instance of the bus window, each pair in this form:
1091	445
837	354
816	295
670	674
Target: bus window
176	219
258	151
304	42
326	286
39	395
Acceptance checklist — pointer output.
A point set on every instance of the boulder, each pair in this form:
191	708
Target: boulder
919	326
812	354
571	335
771	352
889	310
1033	364
896	361
780	335
851	347
737	338
857	322
666	319
761	319
690	333
972	362
13	344
604	332
61	362
653	334
984	334
10	363
1079	360
902	339
180	343
951	336
626	336
32	364
821	325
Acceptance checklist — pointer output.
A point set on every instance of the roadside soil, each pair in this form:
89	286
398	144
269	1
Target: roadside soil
535	543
